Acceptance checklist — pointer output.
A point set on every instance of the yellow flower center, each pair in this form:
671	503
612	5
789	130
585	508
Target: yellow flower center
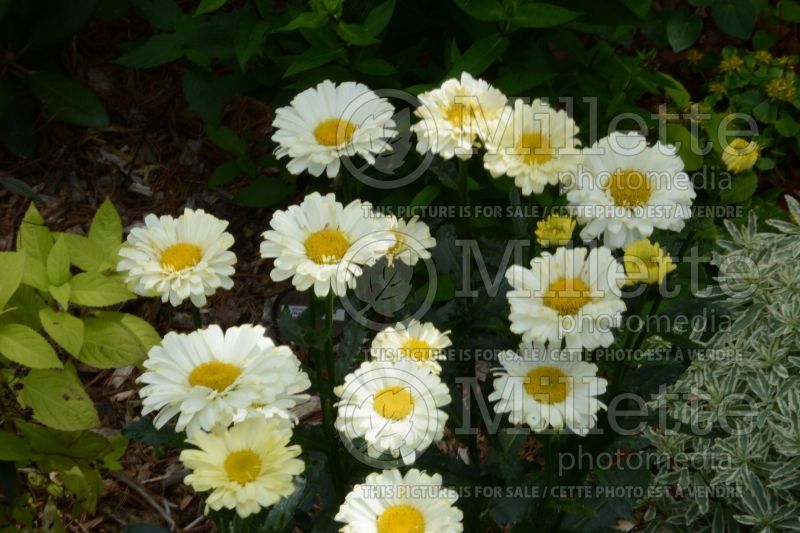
334	132
398	246
327	246
534	149
547	384
243	466
555	230
214	375
401	519
393	403
629	188
781	89
567	296
416	349
180	256
456	112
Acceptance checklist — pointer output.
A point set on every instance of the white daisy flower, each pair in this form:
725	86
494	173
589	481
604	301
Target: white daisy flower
389	502
456	115
394	407
247	467
572	295
179	258
415	341
535	145
213	378
629	189
322	243
413	238
543	387
326	122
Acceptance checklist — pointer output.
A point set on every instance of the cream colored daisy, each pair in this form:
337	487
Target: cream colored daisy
395	407
323	244
627	189
390	502
536	145
327	122
247	467
555	230
413	238
548	388
645	262
212	378
456	115
415	341
740	155
179	258
571	296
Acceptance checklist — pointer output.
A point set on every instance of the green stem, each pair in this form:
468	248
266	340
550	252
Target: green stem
198	320
463	195
326	398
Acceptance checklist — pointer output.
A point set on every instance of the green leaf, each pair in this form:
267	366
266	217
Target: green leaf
207	94
106	229
12	265
743	186
113	340
15	186
58	263
55	22
250	35
735	17
373	66
225	173
264	192
379	17
312	58
677	134
355	34
207	6
683	29
85	254
542	15
23	345
95	290
427	195
61	294
162	14
789	10
68	100
34	240
13	448
307	20
479	56
226	139
154	51
58	400
520	82
484	10
161	440
63	328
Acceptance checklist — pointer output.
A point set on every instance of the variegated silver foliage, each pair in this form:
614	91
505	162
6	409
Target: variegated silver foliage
734	464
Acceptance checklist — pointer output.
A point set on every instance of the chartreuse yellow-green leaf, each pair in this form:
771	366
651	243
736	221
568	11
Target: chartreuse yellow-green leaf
113	340
106	229
96	290
65	329
85	254
12	265
61	294
58	400
34	240
58	263
25	346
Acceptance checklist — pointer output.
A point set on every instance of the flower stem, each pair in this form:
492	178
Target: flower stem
198	320
326	375
463	194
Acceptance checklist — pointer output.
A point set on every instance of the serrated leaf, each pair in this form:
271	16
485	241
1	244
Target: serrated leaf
34	240
113	340
58	400
95	290
58	263
65	329
250	35
11	266
25	346
106	228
